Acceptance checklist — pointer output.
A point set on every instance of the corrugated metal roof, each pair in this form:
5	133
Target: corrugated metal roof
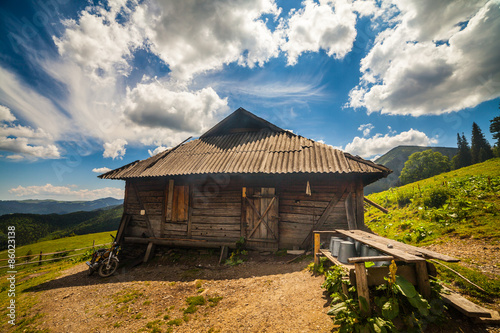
262	152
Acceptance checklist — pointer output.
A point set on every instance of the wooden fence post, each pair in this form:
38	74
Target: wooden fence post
40	259
93	244
316	248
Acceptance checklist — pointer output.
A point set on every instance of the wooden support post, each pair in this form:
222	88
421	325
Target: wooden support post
362	287
243	216
149	252
424	286
350	211
360	213
93	244
223	254
317	244
40	259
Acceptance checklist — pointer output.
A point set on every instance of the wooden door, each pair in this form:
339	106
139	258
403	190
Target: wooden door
262	215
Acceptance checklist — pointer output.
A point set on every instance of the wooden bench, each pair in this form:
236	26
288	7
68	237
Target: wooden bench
394	250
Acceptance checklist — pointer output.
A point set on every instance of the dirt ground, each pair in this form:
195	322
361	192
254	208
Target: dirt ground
263	294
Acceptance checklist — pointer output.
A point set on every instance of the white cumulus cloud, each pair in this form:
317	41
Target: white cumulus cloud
366	129
101	170
440	57
197	36
23	140
380	144
156	105
157	150
115	149
327	25
70	192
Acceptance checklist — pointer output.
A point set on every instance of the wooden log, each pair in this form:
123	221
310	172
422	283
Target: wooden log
218	211
362	287
216	219
303	203
376	205
181	242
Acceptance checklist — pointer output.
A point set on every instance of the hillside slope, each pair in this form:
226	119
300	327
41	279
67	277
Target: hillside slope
54	206
455	213
31	228
395	160
462	203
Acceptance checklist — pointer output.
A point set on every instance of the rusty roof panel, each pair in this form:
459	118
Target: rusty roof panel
263	152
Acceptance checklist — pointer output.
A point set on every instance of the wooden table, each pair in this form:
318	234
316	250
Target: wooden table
393	249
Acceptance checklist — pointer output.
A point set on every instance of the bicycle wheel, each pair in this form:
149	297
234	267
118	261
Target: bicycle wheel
105	272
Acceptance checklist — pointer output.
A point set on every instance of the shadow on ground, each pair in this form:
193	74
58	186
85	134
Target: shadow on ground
181	265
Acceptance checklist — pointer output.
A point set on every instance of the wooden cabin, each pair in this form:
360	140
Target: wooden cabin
248	178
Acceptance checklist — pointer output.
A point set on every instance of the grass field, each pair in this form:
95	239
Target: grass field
62	244
462	203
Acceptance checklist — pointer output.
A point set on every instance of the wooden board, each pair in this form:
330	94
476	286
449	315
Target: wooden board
380	245
413	250
464	305
334	260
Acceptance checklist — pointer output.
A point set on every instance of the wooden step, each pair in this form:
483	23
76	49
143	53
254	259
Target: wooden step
464	305
494	320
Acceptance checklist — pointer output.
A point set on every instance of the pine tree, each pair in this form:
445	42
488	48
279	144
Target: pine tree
463	157
495	130
480	147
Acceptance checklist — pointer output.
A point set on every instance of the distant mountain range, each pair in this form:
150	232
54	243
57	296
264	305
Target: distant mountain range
54	206
395	160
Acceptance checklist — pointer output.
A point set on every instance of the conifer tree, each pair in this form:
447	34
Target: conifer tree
495	130
480	147
463	157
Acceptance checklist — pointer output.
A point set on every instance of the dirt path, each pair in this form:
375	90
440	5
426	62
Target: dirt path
262	295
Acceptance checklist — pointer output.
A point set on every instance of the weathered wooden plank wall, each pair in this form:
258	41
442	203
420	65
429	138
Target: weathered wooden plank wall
211	211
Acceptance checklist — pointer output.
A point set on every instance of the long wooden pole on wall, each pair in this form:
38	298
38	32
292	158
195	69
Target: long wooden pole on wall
170	200
190	212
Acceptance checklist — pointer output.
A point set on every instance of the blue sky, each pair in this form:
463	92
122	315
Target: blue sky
91	86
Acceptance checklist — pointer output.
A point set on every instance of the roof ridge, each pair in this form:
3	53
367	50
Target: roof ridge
367	162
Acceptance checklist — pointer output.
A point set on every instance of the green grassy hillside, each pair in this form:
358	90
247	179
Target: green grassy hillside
31	228
62	244
395	160
461	203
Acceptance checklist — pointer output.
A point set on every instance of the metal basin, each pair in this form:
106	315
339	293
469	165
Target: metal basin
346	250
332	241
